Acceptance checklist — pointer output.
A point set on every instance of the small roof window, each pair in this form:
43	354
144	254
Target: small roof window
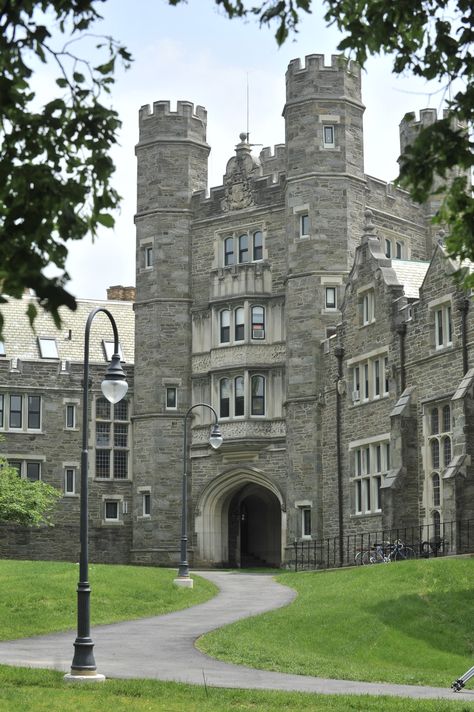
109	350
48	347
2	349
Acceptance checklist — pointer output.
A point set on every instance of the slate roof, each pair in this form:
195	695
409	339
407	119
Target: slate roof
20	341
411	275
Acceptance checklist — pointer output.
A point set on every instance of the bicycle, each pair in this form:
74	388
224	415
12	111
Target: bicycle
384	553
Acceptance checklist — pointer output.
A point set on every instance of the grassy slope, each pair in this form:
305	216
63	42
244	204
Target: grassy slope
40	596
45	691
410	622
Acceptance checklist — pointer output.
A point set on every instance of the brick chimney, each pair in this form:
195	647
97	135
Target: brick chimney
121	294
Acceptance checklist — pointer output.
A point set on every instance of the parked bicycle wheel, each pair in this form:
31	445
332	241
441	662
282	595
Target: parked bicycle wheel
373	556
403	553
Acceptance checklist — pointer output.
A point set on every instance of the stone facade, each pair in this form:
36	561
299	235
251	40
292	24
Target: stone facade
41	387
238	292
310	306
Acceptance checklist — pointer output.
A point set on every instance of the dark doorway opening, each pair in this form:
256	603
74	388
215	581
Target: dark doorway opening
254	528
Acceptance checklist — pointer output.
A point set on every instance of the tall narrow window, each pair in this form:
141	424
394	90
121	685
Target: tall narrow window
439	327
331	298
378	493
435	454
224	398
446	418
2	411
434	421
377	378
111	428
366	381
70	415
239	324
446	451
171	398
70	480
304	225
146	502
225	326
257	246
399	250
258	323
386	376
358	496
228	251
368	307
239	396
435	484
306	521
258	395
328	136
34	412
388	248
16	403
356	392
243	248
148	256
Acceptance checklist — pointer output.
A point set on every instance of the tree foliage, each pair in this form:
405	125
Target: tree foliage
24	502
55	167
433	39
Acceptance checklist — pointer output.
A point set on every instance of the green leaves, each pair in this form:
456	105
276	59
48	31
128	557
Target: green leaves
55	167
24	502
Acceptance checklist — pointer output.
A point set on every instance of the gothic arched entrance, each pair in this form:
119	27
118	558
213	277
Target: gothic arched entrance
240	521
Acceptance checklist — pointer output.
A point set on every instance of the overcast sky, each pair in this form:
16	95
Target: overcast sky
192	52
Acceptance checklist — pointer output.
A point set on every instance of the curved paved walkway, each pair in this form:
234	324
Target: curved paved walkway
163	647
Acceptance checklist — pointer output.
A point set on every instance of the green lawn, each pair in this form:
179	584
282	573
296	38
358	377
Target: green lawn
409	622
373	617
118	593
45	691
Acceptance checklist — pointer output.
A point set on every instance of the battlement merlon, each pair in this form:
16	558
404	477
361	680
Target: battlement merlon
340	79
184	123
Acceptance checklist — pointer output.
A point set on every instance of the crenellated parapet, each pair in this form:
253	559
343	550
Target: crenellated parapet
159	121
339	78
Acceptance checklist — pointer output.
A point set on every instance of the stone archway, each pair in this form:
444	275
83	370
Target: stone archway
240	521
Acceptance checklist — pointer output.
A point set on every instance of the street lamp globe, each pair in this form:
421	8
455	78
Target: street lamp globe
114	386
215	438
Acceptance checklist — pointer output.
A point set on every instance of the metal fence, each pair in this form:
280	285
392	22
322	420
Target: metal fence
427	540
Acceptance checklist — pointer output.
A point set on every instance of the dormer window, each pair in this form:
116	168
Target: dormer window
109	349
48	348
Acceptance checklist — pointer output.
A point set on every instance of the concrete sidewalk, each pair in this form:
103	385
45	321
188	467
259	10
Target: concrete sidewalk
162	648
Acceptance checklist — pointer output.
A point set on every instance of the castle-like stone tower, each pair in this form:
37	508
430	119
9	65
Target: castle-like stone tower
235	294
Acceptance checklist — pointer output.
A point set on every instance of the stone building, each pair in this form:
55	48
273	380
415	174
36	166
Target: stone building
238	291
41	386
310	305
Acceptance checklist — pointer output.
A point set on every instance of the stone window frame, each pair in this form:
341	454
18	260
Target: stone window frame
116	499
234	239
394	248
301	219
330	121
230	378
329	130
437	430
69	403
71	467
441	319
171	390
249	324
362	373
366	304
304	506
114	433
20	463
25	412
369	461
147	254
145	493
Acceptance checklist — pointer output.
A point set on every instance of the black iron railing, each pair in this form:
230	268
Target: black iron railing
444	539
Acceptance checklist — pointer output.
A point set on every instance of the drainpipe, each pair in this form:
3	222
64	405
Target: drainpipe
339	353
464	309
402	330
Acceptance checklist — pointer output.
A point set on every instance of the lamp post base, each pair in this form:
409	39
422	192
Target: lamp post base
183	582
84	676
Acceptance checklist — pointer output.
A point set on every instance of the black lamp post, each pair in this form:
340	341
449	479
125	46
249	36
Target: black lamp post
114	387
215	441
